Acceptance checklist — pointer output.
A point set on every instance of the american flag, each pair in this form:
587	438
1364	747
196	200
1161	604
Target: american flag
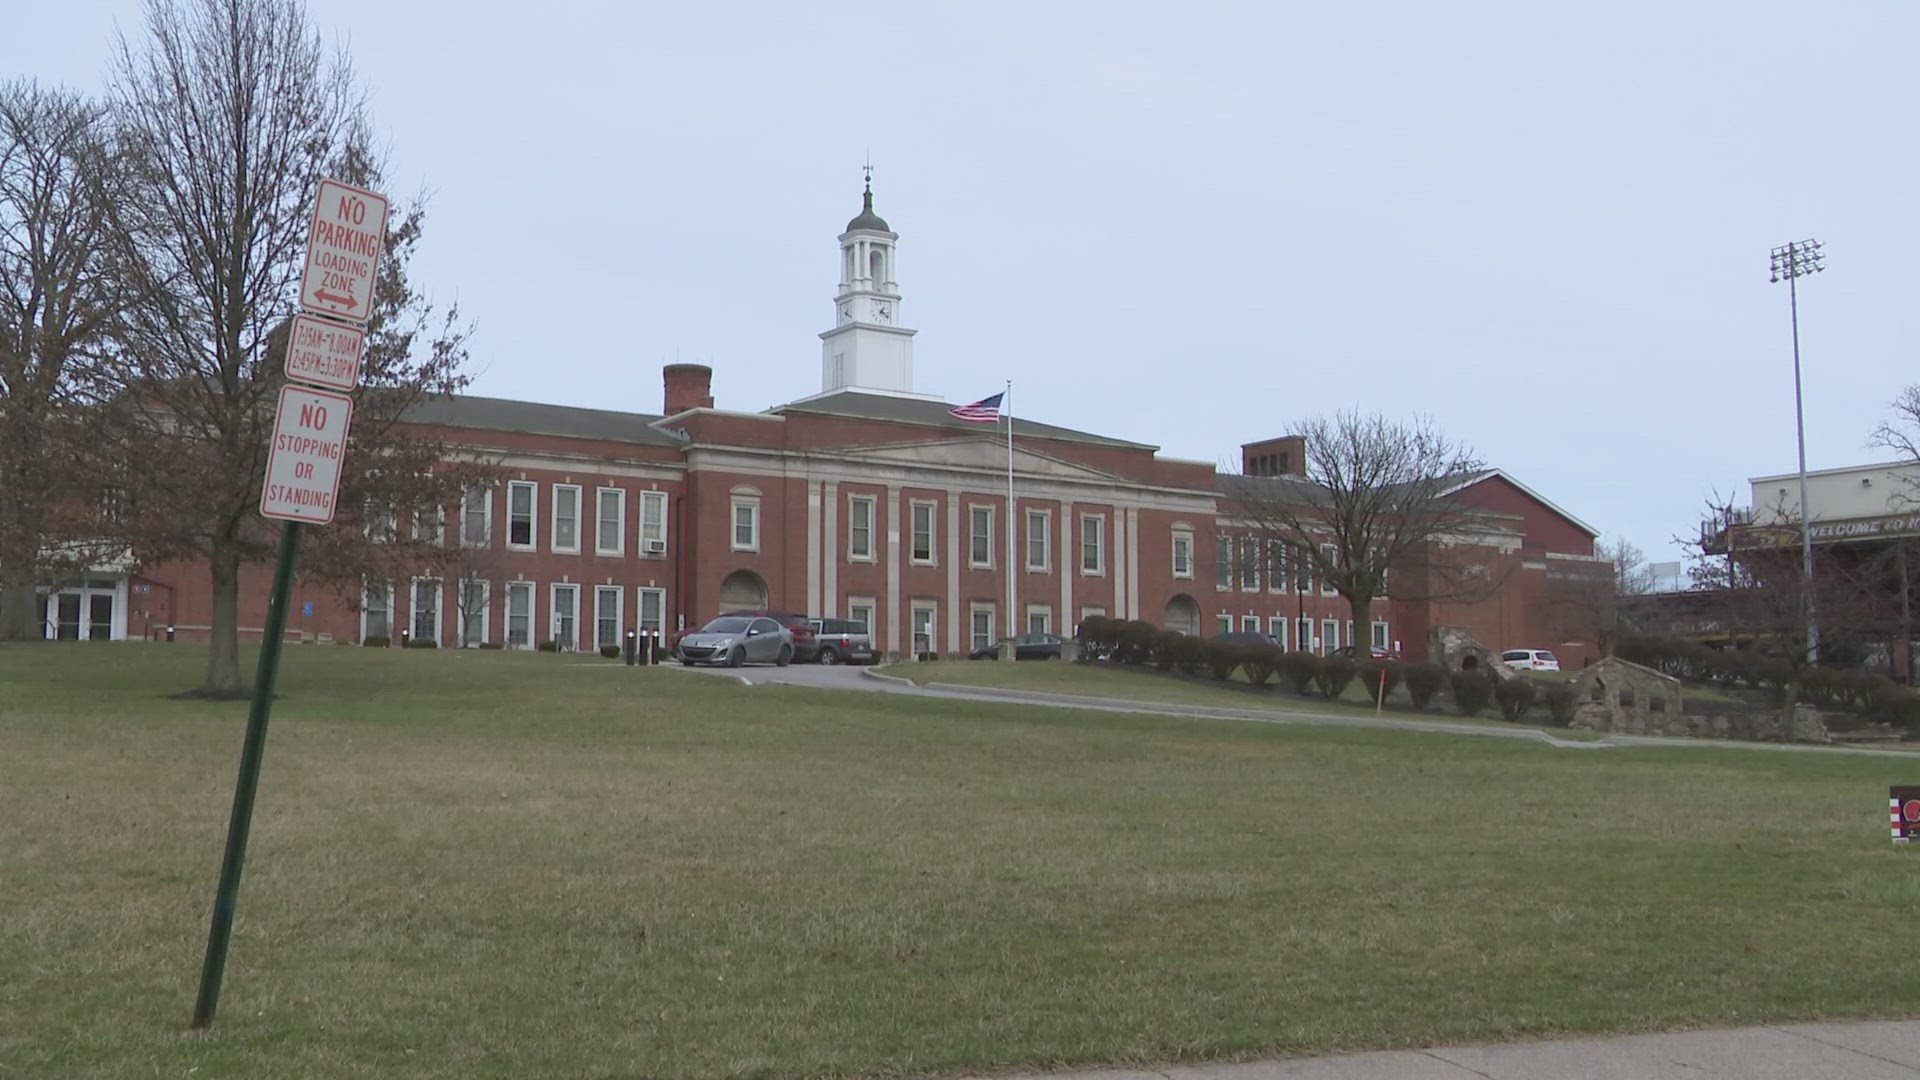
984	411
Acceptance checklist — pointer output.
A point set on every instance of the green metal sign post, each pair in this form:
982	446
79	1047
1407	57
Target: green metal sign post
251	753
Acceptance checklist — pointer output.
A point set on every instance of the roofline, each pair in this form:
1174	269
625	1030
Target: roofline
709	410
1489	474
1889	465
907	394
1067	434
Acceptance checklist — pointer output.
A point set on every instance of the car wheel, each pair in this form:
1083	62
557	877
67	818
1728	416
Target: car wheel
783	657
737	658
829	657
686	661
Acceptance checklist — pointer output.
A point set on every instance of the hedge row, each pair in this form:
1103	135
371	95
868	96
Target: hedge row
1849	689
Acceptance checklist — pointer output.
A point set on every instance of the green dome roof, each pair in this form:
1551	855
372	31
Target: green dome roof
868	219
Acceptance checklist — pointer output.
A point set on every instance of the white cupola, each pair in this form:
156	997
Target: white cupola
867	347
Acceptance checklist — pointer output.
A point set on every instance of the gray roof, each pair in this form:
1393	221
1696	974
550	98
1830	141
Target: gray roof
851	402
868	219
501	414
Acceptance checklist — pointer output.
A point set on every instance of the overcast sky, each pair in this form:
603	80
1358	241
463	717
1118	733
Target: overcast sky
1184	224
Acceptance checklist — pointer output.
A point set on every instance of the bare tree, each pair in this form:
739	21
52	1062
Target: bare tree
1378	497
1586	598
229	115
58	292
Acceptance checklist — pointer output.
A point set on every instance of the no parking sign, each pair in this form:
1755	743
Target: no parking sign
1903	813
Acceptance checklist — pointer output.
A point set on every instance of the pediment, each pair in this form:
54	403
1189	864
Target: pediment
985	454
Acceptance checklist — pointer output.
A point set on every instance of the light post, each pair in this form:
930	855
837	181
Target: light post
1790	263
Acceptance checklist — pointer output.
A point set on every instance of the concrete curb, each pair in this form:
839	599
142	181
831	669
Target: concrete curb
870	673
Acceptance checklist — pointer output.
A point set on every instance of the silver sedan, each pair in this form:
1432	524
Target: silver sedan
734	640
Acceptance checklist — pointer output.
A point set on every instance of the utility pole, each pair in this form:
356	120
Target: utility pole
1790	263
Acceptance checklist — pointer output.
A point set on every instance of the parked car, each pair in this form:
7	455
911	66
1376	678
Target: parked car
1352	652
1025	647
842	641
1245	637
1530	660
805	643
734	640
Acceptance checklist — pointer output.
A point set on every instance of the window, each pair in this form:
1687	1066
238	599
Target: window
606	615
1093	554
982	620
1303	635
519	615
980	536
566	517
1380	635
1329	636
376	610
381	526
1223	624
923	639
922	550
1039	535
1329	555
429	526
746	523
476	517
523	499
1223	562
1277	629
1039	619
1249	564
1249	624
860	528
1351	641
1276	566
653	523
566	616
424	623
1087	612
1182	554
610	524
1302	570
472	602
653	612
860	612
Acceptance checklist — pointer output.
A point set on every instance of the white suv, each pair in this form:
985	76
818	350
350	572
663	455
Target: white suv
1530	660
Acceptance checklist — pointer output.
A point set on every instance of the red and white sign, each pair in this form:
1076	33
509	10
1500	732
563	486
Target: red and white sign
324	353
343	251
303	462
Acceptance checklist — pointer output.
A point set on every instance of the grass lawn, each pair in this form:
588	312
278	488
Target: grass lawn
510	865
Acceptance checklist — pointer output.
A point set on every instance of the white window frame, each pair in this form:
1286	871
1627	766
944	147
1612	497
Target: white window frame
486	517
751	504
1182	551
439	609
1277	629
553	539
648	529
553	615
974	512
388	586
1303	570
619	520
1249	624
460	612
1332	553
1045	520
1278	580
1092	610
1093	526
856	605
1223	623
436	532
640	623
1224	553
932	557
533	515
1303	634
975	639
1352	642
855	552
600	593
1329	636
383	522
1041	612
931	608
1380	638
524	588
1252	556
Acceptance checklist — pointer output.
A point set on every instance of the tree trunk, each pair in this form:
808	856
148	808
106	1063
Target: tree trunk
19	609
1362	624
223	659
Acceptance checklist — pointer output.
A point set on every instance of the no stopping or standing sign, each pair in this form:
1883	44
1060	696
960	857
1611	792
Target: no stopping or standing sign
303	461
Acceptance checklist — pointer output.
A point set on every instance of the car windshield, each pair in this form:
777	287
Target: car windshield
1543	655
726	626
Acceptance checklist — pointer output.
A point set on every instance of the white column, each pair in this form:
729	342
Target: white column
954	514
893	603
1069	563
1133	561
1117	561
830	551
813	549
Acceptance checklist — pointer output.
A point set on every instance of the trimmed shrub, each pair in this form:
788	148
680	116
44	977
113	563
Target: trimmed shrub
1095	637
1334	675
548	646
1189	654
491	645
1471	692
1134	641
1260	662
1222	657
1515	697
1561	698
1423	682
377	641
1369	673
611	652
1896	705
1298	670
422	643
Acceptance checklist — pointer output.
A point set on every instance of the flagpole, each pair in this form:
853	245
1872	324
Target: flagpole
1013	619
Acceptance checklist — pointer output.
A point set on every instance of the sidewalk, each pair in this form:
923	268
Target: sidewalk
1834	1051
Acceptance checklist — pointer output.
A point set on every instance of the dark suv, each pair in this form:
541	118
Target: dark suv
805	643
843	641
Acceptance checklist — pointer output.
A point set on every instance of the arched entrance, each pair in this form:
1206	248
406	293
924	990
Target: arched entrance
743	590
1183	615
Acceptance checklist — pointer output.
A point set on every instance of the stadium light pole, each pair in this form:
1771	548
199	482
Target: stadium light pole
1790	263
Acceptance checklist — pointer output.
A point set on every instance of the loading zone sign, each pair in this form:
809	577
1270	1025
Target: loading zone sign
303	462
343	251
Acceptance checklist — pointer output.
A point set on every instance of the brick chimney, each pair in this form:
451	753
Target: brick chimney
689	386
1284	456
